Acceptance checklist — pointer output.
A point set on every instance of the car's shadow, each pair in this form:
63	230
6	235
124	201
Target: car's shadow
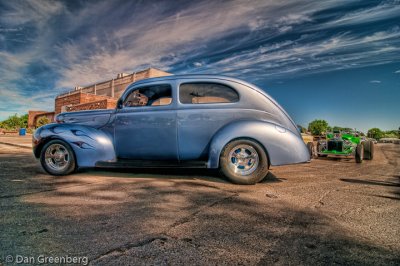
212	175
349	159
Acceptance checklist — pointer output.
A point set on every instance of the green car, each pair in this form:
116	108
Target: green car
346	145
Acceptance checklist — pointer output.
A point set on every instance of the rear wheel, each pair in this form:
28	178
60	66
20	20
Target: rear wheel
319	150
359	153
57	158
310	147
368	150
244	162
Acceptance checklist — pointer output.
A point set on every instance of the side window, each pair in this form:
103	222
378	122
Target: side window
197	93
155	95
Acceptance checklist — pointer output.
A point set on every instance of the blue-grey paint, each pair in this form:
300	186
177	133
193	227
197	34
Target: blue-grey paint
179	132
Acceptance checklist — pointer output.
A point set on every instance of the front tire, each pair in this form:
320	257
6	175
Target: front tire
57	158
244	162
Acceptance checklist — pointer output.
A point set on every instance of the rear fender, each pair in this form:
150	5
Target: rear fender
282	145
90	145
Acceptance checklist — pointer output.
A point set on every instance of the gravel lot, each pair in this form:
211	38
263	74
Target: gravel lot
329	211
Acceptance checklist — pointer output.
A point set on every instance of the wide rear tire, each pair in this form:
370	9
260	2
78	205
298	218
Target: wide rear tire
369	149
319	149
359	156
57	158
244	162
311	150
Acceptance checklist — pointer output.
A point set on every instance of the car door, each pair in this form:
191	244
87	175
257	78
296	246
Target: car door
145	124
204	108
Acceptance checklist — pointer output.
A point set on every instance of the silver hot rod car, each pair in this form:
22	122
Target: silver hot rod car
177	121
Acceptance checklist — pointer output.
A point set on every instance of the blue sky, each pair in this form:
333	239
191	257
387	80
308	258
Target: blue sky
335	60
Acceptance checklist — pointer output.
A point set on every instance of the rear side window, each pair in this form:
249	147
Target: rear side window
198	93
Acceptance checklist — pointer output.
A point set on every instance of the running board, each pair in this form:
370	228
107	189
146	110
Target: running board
151	164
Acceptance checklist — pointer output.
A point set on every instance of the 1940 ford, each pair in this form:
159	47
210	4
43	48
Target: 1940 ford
177	121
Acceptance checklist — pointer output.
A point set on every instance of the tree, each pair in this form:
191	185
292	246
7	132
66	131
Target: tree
23	121
43	120
390	134
375	133
14	122
337	128
318	126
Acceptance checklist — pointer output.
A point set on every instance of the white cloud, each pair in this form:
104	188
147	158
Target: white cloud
14	29
30	11
283	24
397	71
310	54
293	19
14	101
385	10
185	33
101	44
10	65
375	81
188	33
35	15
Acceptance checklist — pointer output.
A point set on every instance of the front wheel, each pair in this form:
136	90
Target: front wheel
57	158
244	162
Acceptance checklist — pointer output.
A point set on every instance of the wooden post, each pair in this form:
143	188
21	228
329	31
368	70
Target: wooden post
95	89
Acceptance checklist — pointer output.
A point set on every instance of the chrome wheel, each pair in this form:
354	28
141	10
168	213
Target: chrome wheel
57	157
243	159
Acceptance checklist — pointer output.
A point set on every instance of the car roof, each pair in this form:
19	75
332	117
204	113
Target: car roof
193	76
213	77
204	77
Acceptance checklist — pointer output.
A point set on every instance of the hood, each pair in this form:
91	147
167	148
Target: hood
93	118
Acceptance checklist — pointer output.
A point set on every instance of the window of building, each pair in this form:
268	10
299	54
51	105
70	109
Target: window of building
156	95
198	93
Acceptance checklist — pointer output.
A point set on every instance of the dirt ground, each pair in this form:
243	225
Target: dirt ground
329	211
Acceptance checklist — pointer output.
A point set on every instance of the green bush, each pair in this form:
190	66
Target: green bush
43	120
375	133
15	122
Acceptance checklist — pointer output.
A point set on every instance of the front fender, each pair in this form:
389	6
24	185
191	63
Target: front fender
282	145
90	145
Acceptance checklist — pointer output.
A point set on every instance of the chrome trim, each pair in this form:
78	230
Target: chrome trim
243	159
57	157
